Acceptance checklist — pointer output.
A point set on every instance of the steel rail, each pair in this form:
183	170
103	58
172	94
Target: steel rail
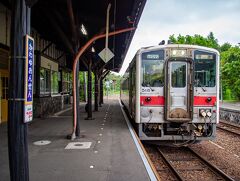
228	130
175	172
230	125
213	167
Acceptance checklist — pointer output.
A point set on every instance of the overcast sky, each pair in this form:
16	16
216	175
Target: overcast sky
162	18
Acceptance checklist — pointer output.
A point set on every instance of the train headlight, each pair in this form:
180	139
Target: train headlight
209	99
179	53
148	99
145	112
174	52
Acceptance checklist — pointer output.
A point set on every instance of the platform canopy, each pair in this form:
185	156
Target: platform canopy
71	23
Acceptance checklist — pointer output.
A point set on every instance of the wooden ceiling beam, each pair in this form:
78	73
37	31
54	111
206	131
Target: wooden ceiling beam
72	22
64	38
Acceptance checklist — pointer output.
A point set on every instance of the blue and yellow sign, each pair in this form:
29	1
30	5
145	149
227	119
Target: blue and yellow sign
29	74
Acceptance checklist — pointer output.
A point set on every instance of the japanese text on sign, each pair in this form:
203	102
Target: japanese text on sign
29	69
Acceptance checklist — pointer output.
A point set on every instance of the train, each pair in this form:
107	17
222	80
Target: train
171	93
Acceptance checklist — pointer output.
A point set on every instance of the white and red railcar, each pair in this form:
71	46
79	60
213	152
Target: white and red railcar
171	92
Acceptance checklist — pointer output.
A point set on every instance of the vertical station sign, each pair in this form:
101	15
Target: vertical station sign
29	74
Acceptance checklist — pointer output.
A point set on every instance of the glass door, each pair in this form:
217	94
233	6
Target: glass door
178	102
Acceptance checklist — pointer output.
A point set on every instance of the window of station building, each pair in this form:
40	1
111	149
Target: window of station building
4	87
45	81
54	82
205	70
178	74
153	68
66	82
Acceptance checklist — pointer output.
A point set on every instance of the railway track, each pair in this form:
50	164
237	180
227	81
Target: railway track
183	164
230	128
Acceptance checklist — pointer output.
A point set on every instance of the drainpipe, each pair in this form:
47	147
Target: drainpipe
76	60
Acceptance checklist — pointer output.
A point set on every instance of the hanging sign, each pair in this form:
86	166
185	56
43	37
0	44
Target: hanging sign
29	74
106	54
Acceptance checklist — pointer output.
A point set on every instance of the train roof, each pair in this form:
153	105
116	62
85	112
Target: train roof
150	48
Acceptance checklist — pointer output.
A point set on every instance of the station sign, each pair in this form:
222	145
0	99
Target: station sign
107	84
29	77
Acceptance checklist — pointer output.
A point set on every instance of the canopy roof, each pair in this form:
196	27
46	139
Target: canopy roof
63	22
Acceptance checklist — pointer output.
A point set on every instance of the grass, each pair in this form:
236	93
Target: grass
231	101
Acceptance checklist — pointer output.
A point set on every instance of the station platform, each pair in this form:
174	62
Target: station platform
235	106
112	154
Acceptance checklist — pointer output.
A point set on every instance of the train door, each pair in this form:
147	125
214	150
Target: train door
3	96
179	90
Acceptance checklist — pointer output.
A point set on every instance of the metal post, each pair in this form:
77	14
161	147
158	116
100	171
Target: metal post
101	91
221	88
89	104
85	87
77	105
17	130
96	91
37	73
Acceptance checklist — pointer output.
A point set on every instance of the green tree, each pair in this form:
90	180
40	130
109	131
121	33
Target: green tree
212	41
230	60
225	47
115	82
209	41
230	70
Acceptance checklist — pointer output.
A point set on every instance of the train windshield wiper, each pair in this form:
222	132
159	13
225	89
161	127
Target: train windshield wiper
198	84
147	85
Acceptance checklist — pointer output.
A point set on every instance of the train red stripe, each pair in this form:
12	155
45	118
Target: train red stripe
202	101
159	100
154	100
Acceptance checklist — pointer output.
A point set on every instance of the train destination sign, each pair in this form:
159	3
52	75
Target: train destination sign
29	73
153	55
202	56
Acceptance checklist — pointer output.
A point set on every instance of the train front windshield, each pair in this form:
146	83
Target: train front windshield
153	69
205	70
153	75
